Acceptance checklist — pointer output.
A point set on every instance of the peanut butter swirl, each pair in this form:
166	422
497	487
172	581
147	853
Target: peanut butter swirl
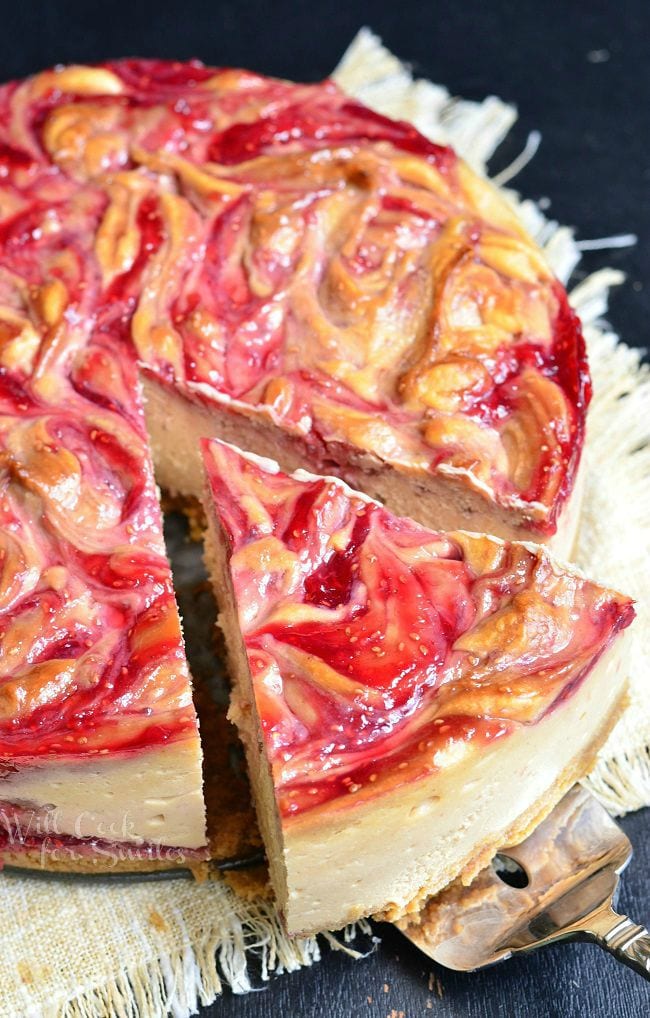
271	244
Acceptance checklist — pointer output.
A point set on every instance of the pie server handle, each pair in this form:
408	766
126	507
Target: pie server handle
628	942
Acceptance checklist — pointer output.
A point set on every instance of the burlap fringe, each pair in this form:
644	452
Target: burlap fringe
179	985
622	780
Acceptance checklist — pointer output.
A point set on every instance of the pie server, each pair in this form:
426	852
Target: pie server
559	884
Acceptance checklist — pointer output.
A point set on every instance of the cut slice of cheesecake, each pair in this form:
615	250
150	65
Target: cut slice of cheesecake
409	700
100	758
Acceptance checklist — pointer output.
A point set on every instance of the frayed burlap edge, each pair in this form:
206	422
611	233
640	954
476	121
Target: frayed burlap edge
179	983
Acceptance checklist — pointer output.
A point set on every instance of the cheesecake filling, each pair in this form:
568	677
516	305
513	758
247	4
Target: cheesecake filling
138	797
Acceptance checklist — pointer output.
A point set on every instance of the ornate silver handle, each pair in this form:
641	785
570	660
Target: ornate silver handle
627	941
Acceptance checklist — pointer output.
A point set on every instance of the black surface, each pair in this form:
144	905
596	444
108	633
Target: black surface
579	72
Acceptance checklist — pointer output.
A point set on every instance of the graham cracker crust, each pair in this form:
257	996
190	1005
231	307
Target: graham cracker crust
35	859
190	507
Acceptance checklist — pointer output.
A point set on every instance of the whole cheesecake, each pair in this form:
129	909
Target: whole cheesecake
294	270
263	261
409	700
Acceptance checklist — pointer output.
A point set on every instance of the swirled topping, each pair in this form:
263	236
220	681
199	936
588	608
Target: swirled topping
238	237
378	649
91	654
283	246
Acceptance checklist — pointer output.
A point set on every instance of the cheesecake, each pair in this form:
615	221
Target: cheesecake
410	700
190	252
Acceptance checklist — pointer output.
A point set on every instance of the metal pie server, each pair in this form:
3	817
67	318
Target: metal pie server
559	884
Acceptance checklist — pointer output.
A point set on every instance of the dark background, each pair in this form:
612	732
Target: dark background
579	72
594	163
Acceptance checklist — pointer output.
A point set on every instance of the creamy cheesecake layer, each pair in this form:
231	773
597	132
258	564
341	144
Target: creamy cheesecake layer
177	423
147	796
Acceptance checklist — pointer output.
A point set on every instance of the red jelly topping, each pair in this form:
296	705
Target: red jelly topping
257	240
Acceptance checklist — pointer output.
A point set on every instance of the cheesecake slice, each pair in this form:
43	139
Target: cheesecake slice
409	700
100	758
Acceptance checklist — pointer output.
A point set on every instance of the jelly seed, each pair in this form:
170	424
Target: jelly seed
353	788
414	636
372	777
353	639
423	649
401	766
312	791
346	781
376	650
400	645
